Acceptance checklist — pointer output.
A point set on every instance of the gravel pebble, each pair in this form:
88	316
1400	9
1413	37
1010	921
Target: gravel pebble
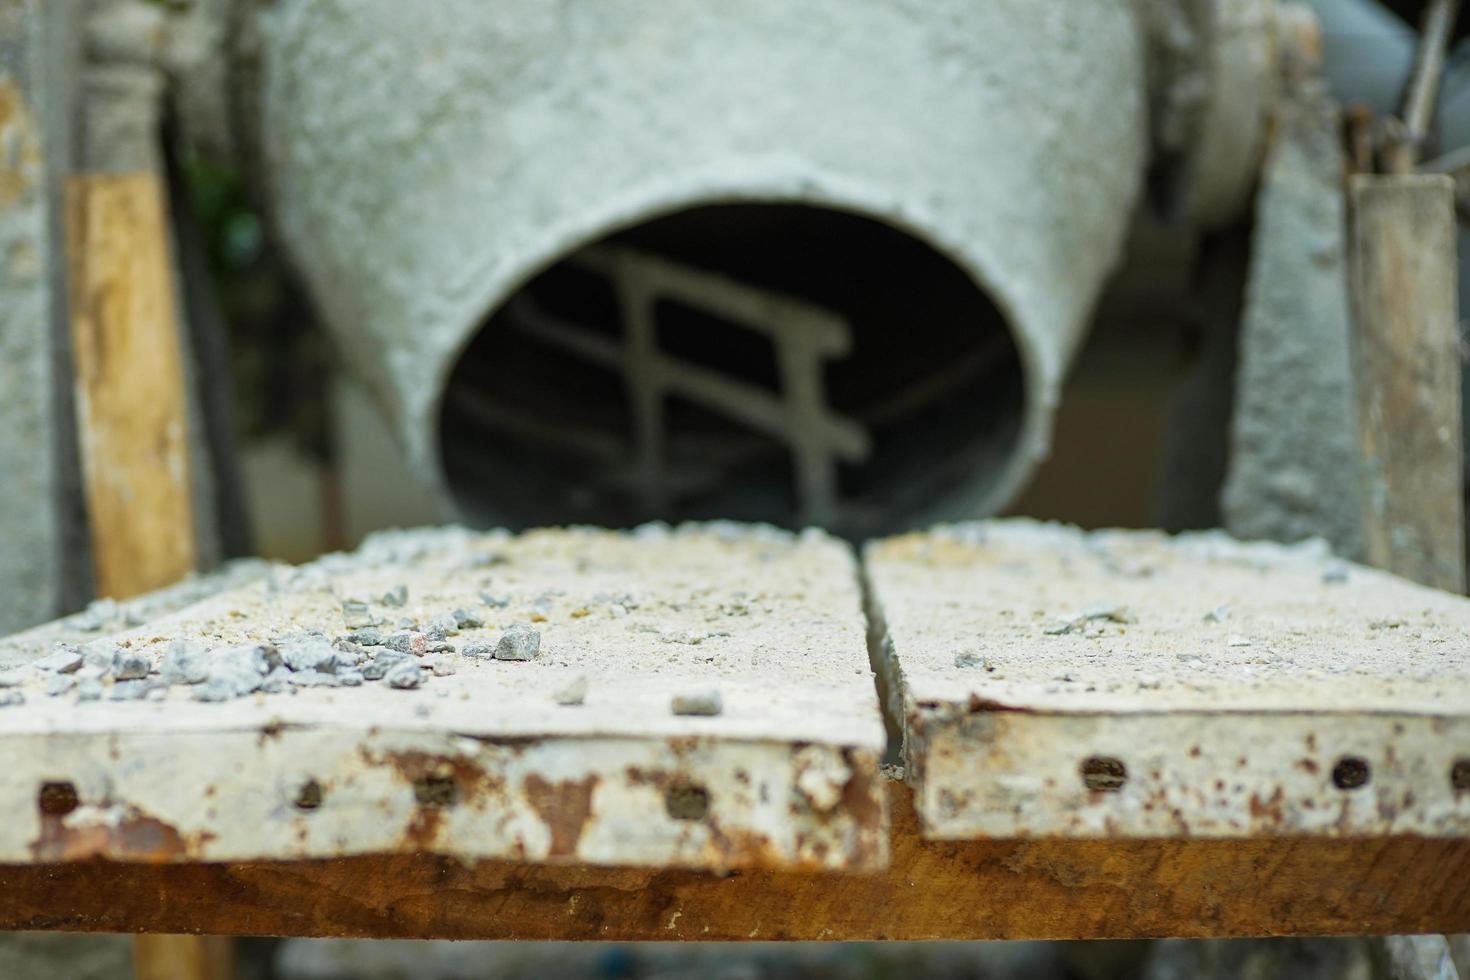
520	642
315	655
130	666
703	703
404	676
383	663
357	614
64	658
185	663
408	641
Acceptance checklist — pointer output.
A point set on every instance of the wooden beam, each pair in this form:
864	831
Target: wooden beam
129	382
986	889
1402	253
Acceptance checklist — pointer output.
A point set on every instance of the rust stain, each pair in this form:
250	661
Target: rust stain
564	807
470	778
136	837
981	705
749	849
1268	810
457	779
422	832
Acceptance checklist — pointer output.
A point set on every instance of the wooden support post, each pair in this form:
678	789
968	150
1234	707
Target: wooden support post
178	957
132	426
1408	375
130	383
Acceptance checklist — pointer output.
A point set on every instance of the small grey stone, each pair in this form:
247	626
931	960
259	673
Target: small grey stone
59	684
349	654
396	596
243	668
130	666
357	614
64	658
185	663
407	623
404	676
969	659
441	665
573	694
466	620
129	690
8	698
89	689
494	601
16	676
383	663
309	655
369	636
408	641
705	703
1335	573
479	649
442	625
349	677
520	642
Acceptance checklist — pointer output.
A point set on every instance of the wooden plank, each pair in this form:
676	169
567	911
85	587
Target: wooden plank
479	760
129	382
987	889
1402	248
1126	684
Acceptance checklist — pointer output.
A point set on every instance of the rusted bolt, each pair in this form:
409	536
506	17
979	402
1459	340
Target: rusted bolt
57	799
684	801
435	791
308	795
1103	773
1351	772
1460	776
